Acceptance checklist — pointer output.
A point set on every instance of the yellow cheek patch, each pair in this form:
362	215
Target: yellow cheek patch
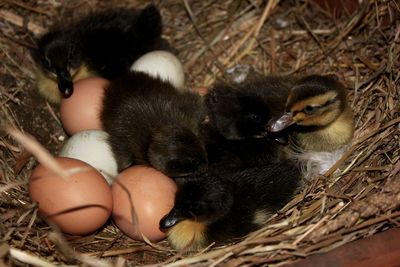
81	73
299	117
189	235
318	100
47	87
47	83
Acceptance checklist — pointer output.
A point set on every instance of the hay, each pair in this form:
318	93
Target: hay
277	37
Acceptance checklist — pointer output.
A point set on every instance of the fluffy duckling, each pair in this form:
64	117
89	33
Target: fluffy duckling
247	179
219	208
319	122
150	122
104	44
317	106
311	112
239	111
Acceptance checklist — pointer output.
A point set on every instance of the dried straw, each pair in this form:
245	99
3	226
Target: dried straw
358	197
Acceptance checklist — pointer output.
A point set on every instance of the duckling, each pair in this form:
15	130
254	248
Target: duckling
239	111
317	106
102	44
222	207
320	123
150	122
317	137
247	178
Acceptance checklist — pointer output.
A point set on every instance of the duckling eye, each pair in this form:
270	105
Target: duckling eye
254	118
309	109
47	62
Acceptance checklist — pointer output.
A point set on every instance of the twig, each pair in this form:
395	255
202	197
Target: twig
19	21
29	258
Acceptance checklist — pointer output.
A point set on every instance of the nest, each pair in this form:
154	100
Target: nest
358	197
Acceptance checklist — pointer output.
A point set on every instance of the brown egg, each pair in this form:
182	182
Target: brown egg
81	111
79	204
152	195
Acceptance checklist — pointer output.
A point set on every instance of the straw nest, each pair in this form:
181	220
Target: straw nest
359	44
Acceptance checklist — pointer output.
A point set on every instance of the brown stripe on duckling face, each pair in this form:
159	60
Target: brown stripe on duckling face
319	110
318	100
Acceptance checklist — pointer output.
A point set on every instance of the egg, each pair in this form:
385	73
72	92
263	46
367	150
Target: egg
78	204
161	64
91	146
152	194
81	111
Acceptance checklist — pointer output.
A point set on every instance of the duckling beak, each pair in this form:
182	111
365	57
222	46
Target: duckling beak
171	219
281	123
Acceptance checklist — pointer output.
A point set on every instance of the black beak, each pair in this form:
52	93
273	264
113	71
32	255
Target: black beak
65	84
281	123
171	219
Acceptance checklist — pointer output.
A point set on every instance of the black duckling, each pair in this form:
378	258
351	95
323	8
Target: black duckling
247	179
151	123
220	208
317	107
105	44
239	111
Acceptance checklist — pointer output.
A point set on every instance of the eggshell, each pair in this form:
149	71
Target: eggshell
78	204
91	146
161	64
81	111
152	195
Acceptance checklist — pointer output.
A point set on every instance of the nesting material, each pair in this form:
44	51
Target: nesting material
357	197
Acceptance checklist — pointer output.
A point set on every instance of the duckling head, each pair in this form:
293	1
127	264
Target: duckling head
198	204
58	60
236	115
315	101
176	151
317	107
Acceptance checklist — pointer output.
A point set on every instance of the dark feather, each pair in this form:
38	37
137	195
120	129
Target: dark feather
151	123
107	42
229	204
242	110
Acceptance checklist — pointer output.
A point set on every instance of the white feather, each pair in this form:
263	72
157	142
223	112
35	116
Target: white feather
313	164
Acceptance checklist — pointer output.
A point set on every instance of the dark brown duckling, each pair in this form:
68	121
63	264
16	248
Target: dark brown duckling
247	180
239	111
102	44
221	208
150	122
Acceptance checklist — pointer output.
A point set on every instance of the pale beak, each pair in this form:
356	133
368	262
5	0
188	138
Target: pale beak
280	123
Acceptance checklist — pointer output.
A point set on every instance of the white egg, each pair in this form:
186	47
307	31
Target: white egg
161	64
91	146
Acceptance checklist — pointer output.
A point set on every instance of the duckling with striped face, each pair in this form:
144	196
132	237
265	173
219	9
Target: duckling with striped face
319	123
317	109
